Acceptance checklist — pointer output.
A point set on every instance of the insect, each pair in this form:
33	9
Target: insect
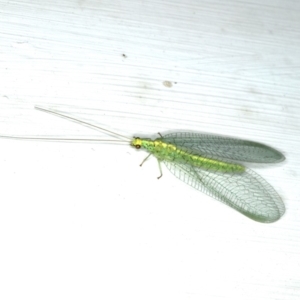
210	163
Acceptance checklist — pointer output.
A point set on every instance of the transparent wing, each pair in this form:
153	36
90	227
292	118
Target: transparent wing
248	193
219	147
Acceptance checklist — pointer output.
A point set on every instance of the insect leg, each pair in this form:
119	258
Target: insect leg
159	165
160	170
145	159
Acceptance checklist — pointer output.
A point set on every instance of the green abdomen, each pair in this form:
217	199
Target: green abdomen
169	152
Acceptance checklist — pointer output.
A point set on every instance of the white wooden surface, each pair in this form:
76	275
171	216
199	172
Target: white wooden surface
84	221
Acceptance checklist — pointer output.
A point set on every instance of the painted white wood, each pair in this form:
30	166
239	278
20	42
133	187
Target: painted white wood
84	221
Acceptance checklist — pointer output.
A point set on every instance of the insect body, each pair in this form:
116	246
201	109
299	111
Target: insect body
212	164
166	151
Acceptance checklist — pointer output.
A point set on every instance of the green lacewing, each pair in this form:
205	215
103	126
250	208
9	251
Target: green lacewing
210	163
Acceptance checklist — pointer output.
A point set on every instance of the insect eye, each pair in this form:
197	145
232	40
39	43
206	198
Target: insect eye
137	146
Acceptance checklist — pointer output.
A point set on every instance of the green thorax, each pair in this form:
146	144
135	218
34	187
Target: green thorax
170	152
